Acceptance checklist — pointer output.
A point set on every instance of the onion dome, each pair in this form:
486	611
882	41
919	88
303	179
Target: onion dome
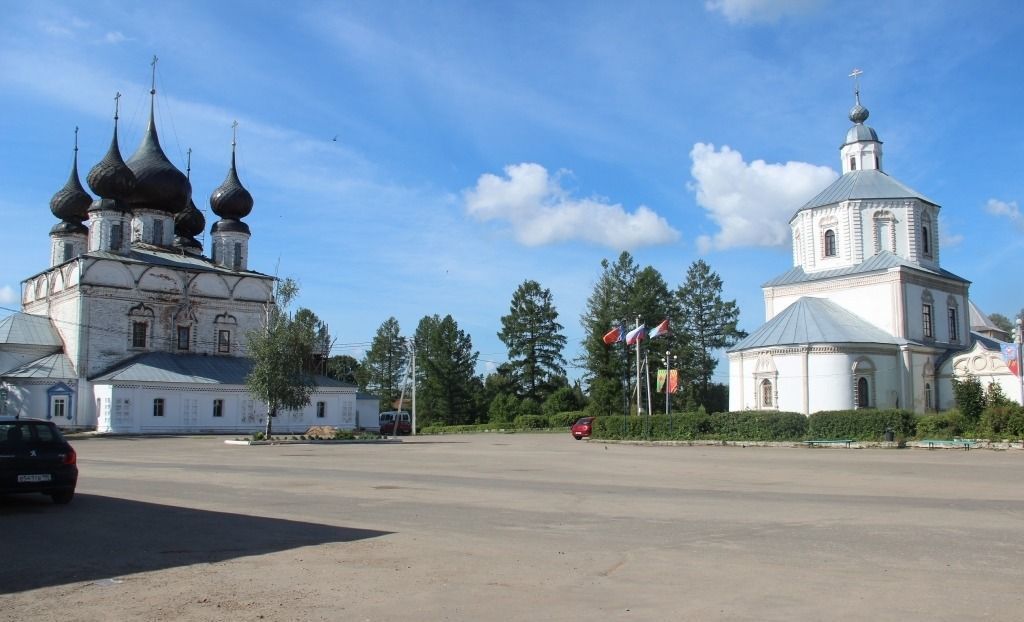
160	185
111	178
71	202
859	132
189	222
231	200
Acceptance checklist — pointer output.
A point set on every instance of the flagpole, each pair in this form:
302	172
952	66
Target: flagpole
639	405
647	378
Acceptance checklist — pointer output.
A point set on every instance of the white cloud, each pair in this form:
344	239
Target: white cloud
751	203
115	36
739	11
1009	210
8	295
541	212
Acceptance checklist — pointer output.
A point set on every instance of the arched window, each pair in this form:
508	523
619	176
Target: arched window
766	393
926	235
830	243
927	396
853	163
862	392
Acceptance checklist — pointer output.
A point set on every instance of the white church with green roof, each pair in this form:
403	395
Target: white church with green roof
867	317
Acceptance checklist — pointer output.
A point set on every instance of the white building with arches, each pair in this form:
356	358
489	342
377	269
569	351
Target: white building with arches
132	329
867	317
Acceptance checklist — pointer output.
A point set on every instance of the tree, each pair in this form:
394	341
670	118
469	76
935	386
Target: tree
344	368
315	331
707	321
532	334
1001	322
605	366
280	352
445	363
384	364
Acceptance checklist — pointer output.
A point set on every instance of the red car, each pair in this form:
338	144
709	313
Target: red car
583	427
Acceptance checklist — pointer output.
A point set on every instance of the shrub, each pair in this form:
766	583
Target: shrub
1000	421
758	425
948	424
561	400
504	408
564	419
258	436
969	397
344	435
458	429
865	424
530	422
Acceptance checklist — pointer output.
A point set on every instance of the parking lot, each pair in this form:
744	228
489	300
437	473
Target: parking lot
518	527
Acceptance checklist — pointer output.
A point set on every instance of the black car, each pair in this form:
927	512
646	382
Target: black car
34	457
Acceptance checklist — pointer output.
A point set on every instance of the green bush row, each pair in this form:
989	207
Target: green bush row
862	425
739	425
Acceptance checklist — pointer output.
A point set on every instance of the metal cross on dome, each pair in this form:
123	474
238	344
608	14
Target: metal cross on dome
855	74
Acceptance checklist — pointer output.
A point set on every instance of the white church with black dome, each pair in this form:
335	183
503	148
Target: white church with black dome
132	329
867	317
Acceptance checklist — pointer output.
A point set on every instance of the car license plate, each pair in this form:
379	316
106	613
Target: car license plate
35	477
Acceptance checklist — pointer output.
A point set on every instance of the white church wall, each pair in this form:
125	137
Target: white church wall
873	299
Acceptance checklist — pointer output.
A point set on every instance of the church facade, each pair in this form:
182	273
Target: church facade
132	329
867	317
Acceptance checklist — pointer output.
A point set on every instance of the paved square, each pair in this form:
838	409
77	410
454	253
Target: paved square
518	527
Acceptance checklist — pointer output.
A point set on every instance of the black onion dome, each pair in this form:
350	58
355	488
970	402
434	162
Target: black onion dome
160	185
71	202
231	200
228	225
189	222
111	178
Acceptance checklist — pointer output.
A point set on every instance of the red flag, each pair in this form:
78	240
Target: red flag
613	335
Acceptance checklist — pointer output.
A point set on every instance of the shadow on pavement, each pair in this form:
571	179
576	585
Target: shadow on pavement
98	537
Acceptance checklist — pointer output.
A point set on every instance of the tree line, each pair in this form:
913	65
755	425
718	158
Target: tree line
533	380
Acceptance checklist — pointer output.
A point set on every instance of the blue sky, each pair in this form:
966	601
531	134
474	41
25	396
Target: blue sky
412	158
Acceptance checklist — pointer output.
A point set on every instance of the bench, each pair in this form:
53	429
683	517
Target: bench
829	442
932	443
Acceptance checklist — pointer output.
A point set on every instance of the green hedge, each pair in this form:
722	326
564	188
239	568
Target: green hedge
734	426
530	422
861	425
565	419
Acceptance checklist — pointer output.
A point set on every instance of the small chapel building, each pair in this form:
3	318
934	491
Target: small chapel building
867	317
132	329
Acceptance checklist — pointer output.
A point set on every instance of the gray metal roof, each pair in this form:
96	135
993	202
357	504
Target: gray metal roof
814	321
979	320
31	330
865	184
883	260
56	366
189	369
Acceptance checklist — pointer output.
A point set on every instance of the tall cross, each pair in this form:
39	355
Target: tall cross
188	163
76	139
153	65
855	74
234	134
117	103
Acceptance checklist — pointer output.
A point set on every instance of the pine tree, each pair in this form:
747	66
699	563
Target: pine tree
383	367
532	334
607	307
445	361
707	321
